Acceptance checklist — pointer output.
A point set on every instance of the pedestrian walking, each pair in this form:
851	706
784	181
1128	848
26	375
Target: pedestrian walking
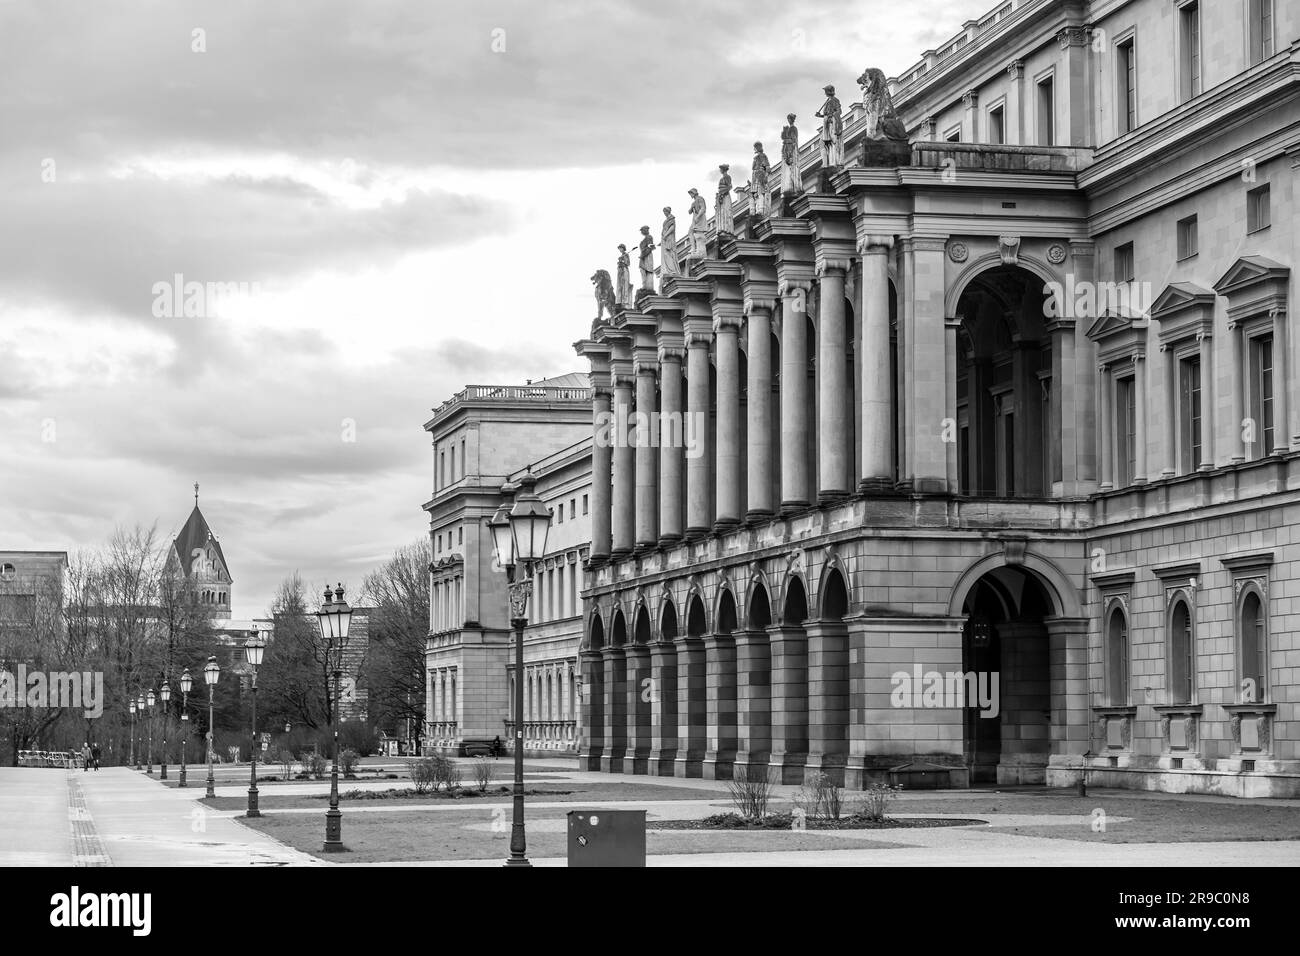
85	756
496	746
94	755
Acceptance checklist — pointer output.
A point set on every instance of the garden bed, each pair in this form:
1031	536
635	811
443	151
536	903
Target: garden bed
412	794
786	821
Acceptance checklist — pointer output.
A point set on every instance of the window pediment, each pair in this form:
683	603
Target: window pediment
1118	336
1254	285
1184	310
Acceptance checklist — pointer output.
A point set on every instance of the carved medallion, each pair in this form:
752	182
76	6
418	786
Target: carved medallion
1056	253
958	252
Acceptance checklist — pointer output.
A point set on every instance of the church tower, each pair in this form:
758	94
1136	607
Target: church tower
196	554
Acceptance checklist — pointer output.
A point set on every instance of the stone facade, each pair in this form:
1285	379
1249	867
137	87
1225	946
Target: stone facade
488	442
989	448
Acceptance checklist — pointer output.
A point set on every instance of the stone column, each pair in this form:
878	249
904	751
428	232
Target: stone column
720	670
671	445
1170	436
924	463
663	708
1140	428
1281	386
647	441
971	118
1067	663
834	443
592	730
691	708
759	393
753	698
1209	410
1107	427
877	471
1238	403
639	692
611	757
789	648
624	524
727	330
699	517
828	697
795	485
601	477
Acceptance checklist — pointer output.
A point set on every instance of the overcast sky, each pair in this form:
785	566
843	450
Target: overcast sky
411	195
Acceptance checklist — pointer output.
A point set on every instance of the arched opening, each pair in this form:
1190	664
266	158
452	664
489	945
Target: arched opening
668	621
1254	648
695	621
1117	657
596	634
618	632
828	680
592	744
1004	365
1182	671
760	609
615	660
641	630
641	688
1005	688
726	613
796	602
835	597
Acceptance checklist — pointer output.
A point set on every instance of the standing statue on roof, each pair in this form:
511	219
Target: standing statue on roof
760	170
722	208
623	285
791	178
668	265
646	262
699	226
832	136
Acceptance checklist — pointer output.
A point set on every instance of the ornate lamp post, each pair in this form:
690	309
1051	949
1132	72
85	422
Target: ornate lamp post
210	674
131	755
150	700
253	650
520	539
165	692
139	749
187	682
334	616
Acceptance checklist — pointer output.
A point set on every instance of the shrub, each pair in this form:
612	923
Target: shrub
449	774
750	789
284	758
876	799
424	773
313	763
482	773
348	760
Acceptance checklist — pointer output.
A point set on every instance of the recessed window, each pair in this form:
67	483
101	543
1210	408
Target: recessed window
1259	432
1189	35
559	512
1126	430
584	504
1124	262
438	550
1117	658
997	126
1260	30
460	535
1258	214
1252	648
1126	79
1046	112
1182	670
573	508
1187	237
1189	418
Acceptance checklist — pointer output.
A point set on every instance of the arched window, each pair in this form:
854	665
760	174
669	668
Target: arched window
1182	669
7	571
1252	647
1117	658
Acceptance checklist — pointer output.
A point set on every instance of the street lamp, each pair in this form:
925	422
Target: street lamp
187	682
131	756
139	750
334	616
150	700
253	650
519	538
165	692
210	674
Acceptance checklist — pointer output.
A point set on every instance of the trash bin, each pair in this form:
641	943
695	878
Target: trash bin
606	838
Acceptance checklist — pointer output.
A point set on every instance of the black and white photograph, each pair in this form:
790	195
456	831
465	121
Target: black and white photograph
468	434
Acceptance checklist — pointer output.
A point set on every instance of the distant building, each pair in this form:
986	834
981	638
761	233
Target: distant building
488	442
31	585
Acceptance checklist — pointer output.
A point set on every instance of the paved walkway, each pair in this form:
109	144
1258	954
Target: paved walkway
120	817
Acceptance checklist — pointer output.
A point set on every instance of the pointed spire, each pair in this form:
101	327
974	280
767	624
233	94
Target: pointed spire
196	494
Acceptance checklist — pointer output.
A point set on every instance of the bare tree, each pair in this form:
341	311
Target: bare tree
399	593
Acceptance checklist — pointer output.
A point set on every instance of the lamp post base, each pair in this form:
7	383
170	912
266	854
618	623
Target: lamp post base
333	831
181	782
523	861
163	773
252	803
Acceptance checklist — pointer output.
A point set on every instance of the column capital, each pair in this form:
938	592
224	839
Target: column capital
970	98
669	353
833	267
788	287
1102	368
697	339
1015	69
757	306
872	244
1074	36
728	317
646	365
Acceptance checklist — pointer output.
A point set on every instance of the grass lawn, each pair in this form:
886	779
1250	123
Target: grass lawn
468	835
558	791
1164	820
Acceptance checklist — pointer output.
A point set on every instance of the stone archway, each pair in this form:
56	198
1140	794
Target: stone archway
720	683
692	704
789	655
663	694
640	689
615	660
754	683
592	745
828	680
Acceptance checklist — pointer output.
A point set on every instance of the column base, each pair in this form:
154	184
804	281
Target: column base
832	765
644	547
689	763
611	762
758	516
929	486
830	497
718	764
876	486
597	560
793	507
725	524
661	762
619	554
590	760
694	534
749	759
637	762
670	540
790	766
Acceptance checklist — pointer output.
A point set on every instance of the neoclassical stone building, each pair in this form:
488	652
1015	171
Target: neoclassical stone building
1011	402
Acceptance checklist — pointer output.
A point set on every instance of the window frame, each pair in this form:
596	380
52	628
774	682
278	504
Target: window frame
1116	608
1045	79
1185	228
1180	597
1126	93
1191	64
1257	199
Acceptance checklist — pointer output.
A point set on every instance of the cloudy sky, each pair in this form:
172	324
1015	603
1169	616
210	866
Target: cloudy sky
410	196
